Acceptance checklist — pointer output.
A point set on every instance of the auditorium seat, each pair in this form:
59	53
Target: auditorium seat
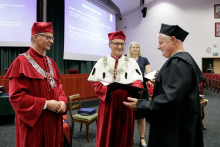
205	82
6	69
201	88
212	84
73	71
216	82
218	85
209	77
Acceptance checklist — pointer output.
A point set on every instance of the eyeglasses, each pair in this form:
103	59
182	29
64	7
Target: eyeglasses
48	37
117	43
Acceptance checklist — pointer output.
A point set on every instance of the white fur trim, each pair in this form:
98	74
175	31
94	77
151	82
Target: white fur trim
132	75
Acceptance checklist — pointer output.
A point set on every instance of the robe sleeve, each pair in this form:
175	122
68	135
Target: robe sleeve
100	90
62	96
28	108
137	83
176	80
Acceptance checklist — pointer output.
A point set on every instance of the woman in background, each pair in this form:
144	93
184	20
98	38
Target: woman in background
134	52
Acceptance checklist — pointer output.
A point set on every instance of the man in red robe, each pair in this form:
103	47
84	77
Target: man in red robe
115	122
36	93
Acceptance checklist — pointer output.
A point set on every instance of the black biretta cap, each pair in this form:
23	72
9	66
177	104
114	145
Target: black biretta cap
173	30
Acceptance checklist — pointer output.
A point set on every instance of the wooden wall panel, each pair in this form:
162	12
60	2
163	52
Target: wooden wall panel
72	84
216	65
5	84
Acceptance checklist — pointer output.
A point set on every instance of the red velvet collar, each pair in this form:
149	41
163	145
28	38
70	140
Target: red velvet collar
116	57
34	52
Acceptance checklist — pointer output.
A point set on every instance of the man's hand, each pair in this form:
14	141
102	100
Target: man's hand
62	107
53	105
132	104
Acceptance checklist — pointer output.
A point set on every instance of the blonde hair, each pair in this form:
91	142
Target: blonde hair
129	49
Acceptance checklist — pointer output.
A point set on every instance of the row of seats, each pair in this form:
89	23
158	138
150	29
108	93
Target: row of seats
212	82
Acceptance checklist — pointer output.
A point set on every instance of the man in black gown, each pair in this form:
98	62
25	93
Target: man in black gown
174	113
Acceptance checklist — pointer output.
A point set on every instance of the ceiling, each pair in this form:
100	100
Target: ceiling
127	6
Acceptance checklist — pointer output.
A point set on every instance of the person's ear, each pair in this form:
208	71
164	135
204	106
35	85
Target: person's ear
174	40
35	37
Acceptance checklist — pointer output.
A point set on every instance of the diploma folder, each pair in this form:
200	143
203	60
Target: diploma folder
87	111
125	87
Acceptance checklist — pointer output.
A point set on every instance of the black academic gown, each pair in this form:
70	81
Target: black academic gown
174	113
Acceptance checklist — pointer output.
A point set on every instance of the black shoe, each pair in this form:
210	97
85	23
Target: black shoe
141	144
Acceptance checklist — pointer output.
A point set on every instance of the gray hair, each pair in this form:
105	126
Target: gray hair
164	36
32	37
167	37
129	49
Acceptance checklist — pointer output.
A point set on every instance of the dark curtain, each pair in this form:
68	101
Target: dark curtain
8	54
55	14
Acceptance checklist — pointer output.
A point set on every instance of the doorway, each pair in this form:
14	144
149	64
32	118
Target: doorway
215	61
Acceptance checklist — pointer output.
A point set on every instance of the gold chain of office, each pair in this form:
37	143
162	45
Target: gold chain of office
40	70
116	72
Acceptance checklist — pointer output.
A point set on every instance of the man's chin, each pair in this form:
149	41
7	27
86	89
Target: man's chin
165	56
119	54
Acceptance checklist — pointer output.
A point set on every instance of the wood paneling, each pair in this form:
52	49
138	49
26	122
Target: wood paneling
216	65
72	84
5	84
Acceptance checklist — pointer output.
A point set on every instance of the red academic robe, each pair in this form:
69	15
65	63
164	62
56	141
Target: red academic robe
28	92
115	122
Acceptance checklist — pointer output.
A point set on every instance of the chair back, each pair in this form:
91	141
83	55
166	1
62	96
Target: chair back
215	76
218	77
6	69
201	87
73	71
211	76
208	75
78	105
